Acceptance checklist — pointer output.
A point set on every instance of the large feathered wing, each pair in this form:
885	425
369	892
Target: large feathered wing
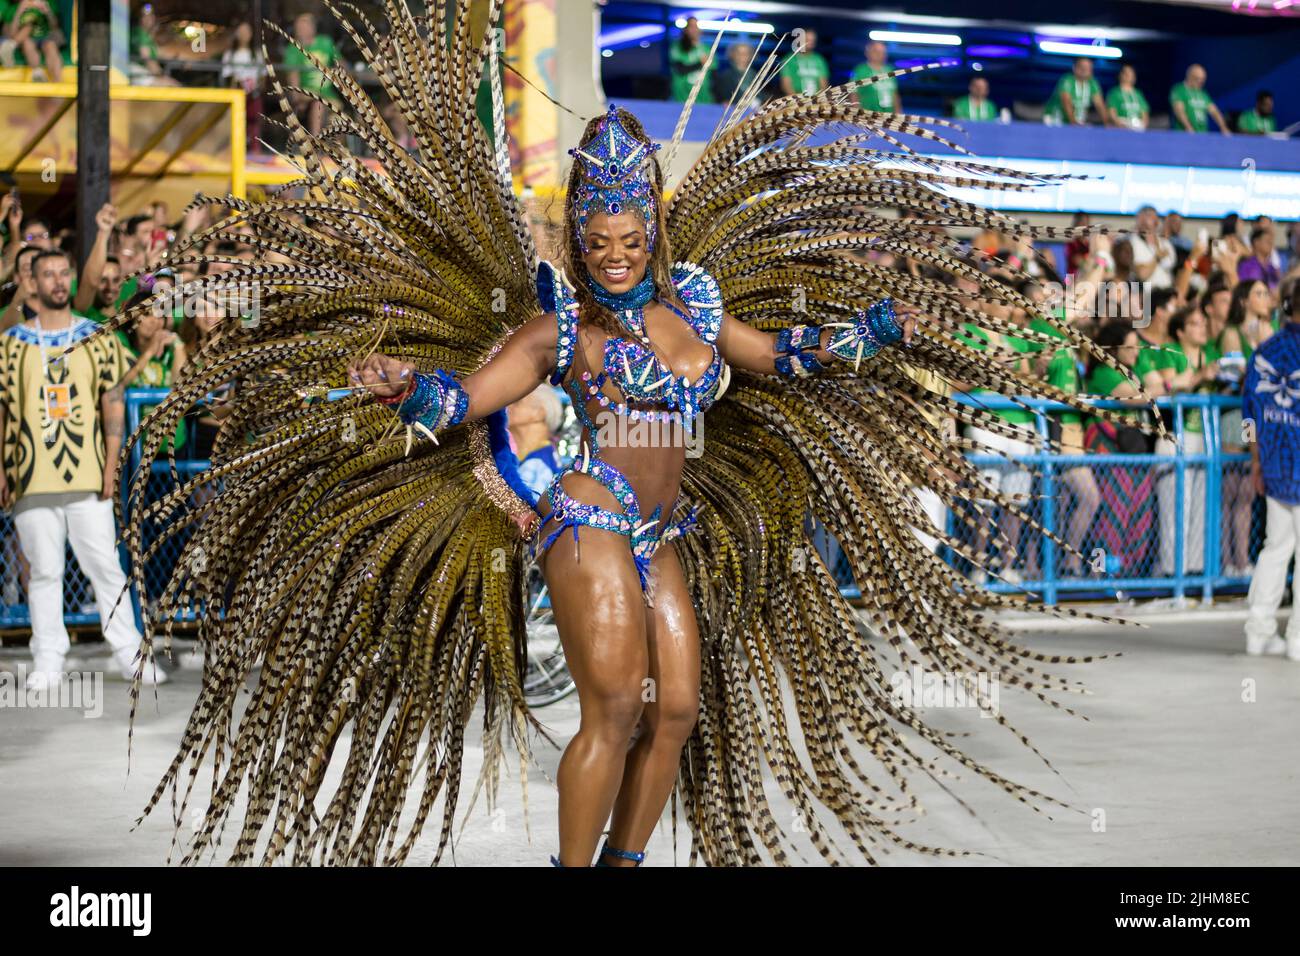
369	589
781	209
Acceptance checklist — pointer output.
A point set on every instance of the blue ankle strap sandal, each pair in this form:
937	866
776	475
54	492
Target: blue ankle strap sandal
622	854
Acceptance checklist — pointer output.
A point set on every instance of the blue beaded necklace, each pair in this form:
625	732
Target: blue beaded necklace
629	306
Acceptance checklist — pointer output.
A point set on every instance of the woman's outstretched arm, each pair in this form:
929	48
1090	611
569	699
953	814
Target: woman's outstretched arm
746	347
522	364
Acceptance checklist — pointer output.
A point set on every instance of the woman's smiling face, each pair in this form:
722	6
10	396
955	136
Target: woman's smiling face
616	253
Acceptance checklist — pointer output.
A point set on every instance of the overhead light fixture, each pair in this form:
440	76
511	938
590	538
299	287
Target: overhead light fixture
738	26
923	39
1080	49
624	36
994	51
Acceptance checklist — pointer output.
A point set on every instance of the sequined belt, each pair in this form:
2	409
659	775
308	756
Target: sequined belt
645	538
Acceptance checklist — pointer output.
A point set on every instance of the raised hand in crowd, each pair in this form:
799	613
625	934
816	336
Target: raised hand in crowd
194	220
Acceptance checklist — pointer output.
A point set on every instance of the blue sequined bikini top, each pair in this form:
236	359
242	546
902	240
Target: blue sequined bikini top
630	364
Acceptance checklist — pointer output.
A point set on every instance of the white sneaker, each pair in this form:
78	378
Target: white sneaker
126	667
1293	647
152	676
1273	644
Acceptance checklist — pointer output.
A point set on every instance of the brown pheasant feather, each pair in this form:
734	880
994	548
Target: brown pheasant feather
342	586
776	210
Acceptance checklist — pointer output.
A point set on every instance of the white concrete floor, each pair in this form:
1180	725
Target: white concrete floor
1185	770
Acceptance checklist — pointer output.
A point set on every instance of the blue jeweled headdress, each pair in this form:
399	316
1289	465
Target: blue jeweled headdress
616	174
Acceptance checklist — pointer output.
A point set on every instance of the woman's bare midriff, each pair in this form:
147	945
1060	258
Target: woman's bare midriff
650	454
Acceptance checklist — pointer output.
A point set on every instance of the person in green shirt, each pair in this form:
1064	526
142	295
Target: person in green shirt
1128	107
1245	329
7	45
303	72
144	53
881	95
1106	382
33	27
1192	106
1005	477
157	355
975	105
1059	367
104	305
1192	370
686	58
1259	120
1127	491
1074	93
1152	366
805	73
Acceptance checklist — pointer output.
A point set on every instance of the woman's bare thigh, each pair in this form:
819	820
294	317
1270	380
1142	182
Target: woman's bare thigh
599	612
673	642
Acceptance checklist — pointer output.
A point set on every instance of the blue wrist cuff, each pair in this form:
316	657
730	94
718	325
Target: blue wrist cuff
873	329
437	401
799	365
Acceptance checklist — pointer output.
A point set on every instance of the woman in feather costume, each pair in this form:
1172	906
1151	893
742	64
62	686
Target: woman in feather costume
374	572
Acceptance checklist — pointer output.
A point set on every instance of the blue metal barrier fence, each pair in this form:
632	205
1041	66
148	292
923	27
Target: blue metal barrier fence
1121	510
1148	525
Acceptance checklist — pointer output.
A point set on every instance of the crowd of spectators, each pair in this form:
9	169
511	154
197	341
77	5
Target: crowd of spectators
1076	100
1184	315
162	340
31	34
1184	309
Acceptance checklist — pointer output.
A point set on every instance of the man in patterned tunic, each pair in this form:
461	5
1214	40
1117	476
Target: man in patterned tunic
61	422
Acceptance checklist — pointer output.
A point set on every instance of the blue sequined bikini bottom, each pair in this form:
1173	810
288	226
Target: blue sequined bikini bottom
645	538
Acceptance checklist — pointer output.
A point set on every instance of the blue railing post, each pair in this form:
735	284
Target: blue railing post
1212	423
135	397
1049	510
1180	504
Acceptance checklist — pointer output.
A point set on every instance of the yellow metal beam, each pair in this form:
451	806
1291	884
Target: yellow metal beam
271	177
233	99
238	145
132	94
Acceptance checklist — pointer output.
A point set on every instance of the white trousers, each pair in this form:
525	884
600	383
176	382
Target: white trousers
45	525
1193	507
936	511
1269	581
